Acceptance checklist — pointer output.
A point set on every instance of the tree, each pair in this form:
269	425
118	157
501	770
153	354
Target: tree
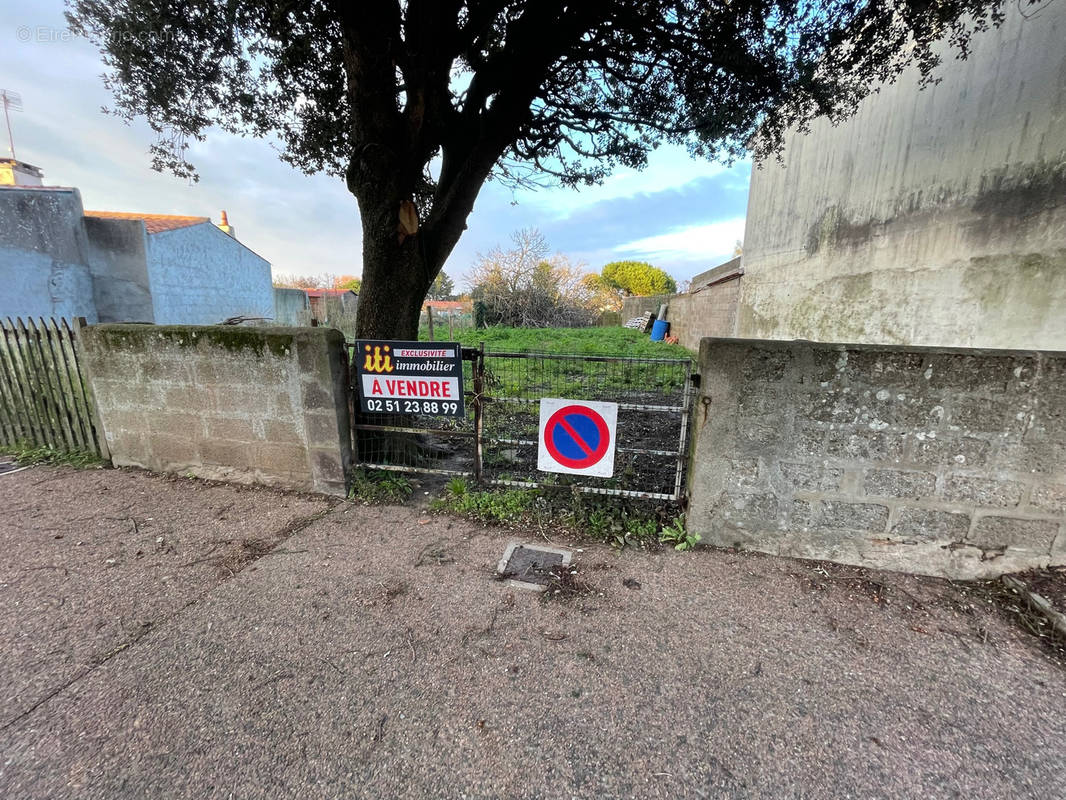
443	288
638	277
525	288
349	282
416	103
598	295
301	282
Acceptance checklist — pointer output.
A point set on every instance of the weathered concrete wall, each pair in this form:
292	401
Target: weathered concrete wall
201	276
939	461
264	405
708	312
291	307
118	262
934	217
44	268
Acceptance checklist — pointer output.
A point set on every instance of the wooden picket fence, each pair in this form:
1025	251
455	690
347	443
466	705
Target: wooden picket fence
44	400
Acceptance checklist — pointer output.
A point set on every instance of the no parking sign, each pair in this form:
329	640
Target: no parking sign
577	437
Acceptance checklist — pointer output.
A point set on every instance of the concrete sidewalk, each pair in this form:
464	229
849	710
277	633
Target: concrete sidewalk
372	654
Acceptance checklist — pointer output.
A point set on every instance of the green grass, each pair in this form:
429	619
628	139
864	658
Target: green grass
379	487
564	341
28	455
613	521
563	378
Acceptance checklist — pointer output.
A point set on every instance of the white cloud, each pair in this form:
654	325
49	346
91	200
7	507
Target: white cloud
669	167
694	242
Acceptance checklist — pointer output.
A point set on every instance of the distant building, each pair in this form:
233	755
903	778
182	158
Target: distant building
328	304
18	173
56	259
448	308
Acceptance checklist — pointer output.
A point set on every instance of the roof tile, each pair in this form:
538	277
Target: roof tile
153	223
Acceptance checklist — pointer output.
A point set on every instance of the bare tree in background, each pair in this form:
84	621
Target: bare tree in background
525	287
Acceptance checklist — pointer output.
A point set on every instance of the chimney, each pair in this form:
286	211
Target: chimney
18	173
225	227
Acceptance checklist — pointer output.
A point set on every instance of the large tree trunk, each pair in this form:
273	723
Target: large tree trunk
395	281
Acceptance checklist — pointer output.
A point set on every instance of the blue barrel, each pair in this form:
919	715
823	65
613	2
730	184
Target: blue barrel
659	329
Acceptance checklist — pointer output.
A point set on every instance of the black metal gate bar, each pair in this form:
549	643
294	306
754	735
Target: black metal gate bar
571	378
679	454
584	489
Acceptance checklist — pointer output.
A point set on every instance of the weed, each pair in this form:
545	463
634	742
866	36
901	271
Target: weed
676	536
27	455
379	487
510	505
457	487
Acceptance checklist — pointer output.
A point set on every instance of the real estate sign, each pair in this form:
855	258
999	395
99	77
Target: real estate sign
409	377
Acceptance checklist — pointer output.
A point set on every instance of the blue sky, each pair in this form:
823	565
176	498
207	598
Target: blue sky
681	214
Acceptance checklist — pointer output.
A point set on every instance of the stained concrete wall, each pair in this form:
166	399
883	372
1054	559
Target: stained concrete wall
118	263
263	405
291	307
940	461
709	312
201	276
44	268
933	217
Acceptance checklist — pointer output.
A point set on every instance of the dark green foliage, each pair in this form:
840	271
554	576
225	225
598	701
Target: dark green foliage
638	277
479	315
573	88
443	288
378	92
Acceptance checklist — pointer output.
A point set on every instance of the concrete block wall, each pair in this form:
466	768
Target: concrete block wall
262	405
939	461
709	312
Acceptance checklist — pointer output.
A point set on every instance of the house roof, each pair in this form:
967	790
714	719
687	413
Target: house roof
321	292
447	305
153	223
20	187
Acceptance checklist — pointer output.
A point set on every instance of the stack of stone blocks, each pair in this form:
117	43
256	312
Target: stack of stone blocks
262	405
939	461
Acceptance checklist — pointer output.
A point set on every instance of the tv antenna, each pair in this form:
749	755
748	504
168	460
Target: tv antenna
12	102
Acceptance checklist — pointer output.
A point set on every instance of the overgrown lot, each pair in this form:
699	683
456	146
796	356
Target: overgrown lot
577	341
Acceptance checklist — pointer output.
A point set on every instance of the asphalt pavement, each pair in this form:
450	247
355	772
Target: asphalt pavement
168	638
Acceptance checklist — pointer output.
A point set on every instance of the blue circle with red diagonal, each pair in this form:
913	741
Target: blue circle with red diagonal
576	436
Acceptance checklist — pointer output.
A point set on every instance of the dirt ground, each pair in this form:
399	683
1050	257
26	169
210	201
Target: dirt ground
168	638
1049	583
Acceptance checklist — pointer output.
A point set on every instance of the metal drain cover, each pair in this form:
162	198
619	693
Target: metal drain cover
529	566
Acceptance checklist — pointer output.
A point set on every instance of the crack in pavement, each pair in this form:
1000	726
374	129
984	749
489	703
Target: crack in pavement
287	531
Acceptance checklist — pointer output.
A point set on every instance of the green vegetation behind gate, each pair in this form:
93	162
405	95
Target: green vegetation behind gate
558	341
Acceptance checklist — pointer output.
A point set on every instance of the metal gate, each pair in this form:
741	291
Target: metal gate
496	442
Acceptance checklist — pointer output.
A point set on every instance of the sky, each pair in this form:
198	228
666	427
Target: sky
681	214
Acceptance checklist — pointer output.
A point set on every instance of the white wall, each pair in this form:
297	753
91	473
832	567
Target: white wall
201	276
933	217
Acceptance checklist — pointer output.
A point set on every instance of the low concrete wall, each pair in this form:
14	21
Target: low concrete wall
939	461
711	311
263	405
